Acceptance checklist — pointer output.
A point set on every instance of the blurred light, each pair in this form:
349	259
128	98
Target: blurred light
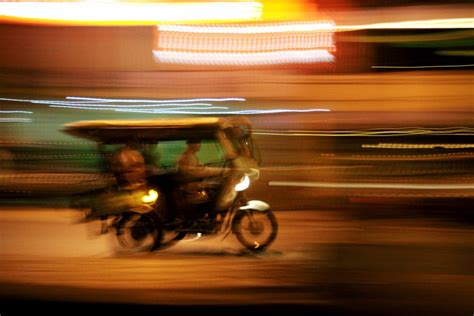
289	27
243	184
348	185
135	110
17	112
97	104
463	53
105	106
418	146
237	43
99	13
243	112
245	59
158	101
15	120
464	23
151	197
423	67
246	45
430	37
394	132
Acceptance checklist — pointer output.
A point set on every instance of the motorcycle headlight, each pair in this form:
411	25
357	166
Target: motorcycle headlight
151	197
243	184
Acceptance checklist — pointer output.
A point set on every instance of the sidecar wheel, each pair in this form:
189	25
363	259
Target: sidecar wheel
138	232
256	230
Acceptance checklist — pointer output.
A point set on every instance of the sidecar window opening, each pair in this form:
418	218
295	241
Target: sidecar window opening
211	152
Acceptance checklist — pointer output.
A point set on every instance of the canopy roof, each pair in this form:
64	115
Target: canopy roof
126	131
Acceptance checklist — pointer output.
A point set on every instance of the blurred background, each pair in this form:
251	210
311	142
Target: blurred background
363	113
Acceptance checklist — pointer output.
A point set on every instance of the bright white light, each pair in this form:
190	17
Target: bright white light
243	184
157	101
101	105
243	43
15	120
16	112
349	185
463	23
417	146
248	59
97	104
316	26
423	67
151	197
137	110
130	13
246	45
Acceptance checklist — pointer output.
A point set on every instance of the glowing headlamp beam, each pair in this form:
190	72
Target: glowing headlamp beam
151	197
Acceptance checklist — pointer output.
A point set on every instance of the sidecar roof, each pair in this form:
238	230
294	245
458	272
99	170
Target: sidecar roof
147	131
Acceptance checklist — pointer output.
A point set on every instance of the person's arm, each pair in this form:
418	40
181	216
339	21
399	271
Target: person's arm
191	167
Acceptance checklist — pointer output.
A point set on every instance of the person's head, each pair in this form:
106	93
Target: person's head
194	144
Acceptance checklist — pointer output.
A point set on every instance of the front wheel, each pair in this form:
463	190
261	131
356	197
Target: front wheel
138	232
256	230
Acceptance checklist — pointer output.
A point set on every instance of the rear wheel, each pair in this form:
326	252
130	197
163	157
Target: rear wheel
256	230
138	232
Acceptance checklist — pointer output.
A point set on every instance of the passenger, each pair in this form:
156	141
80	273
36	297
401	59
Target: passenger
128	166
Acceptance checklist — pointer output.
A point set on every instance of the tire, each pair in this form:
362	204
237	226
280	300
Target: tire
138	232
169	239
257	234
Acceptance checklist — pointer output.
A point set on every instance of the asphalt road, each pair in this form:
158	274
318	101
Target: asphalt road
323	260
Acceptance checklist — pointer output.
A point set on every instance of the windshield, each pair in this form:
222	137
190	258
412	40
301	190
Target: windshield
243	142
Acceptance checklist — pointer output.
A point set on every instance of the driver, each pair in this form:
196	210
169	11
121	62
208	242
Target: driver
194	174
189	166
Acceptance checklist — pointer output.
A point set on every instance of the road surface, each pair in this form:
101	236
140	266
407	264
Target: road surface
322	260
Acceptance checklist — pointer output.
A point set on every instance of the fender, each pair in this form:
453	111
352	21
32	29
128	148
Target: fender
256	205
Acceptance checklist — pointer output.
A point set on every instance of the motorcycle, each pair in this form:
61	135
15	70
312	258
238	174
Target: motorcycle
142	207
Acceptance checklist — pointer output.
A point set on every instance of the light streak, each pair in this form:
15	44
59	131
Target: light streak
461	23
460	131
187	111
135	110
17	112
245	112
418	146
464	53
316	26
235	43
99	13
422	67
239	59
15	120
158	101
101	105
159	108
246	44
347	185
